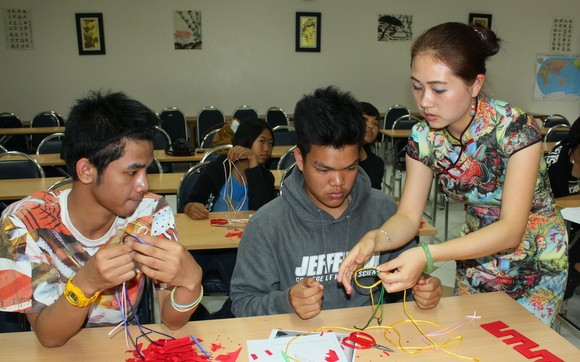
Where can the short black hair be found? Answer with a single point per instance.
(369, 110)
(248, 130)
(328, 117)
(98, 126)
(573, 138)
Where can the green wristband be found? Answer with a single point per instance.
(429, 267)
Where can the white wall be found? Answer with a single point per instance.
(248, 53)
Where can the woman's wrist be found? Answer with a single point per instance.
(387, 241)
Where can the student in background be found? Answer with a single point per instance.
(291, 248)
(488, 155)
(66, 255)
(239, 180)
(564, 170)
(373, 165)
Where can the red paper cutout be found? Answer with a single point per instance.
(331, 356)
(268, 352)
(254, 357)
(524, 344)
(234, 233)
(182, 349)
(215, 347)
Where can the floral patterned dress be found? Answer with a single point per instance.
(472, 171)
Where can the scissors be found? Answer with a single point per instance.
(362, 340)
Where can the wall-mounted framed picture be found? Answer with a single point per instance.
(90, 33)
(481, 19)
(308, 32)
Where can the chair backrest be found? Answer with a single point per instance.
(245, 112)
(555, 119)
(50, 144)
(155, 166)
(67, 181)
(187, 183)
(403, 122)
(44, 119)
(286, 173)
(207, 141)
(3, 149)
(14, 165)
(161, 140)
(392, 114)
(214, 153)
(284, 136)
(557, 133)
(275, 116)
(208, 118)
(287, 159)
(174, 123)
(13, 142)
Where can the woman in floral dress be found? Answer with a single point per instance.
(487, 154)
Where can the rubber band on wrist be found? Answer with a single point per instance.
(429, 267)
(389, 240)
(185, 308)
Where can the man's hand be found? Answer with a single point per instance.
(166, 261)
(427, 292)
(306, 298)
(109, 267)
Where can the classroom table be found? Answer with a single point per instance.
(7, 133)
(53, 159)
(568, 201)
(502, 326)
(164, 184)
(200, 235)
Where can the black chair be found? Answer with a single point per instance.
(44, 119)
(286, 173)
(162, 141)
(398, 147)
(287, 159)
(12, 142)
(244, 112)
(557, 133)
(275, 116)
(14, 165)
(208, 119)
(215, 263)
(207, 141)
(555, 119)
(215, 152)
(284, 136)
(155, 167)
(174, 123)
(2, 149)
(52, 144)
(382, 143)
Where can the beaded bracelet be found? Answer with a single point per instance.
(429, 267)
(185, 308)
(389, 240)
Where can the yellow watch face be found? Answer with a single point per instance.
(73, 297)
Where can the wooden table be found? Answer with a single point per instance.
(53, 159)
(93, 344)
(30, 130)
(568, 201)
(164, 184)
(200, 235)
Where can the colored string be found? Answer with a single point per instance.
(228, 197)
(450, 343)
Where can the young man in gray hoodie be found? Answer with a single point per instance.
(291, 249)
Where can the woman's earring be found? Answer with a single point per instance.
(472, 108)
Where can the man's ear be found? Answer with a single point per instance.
(299, 159)
(86, 172)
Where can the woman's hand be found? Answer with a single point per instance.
(356, 258)
(196, 211)
(238, 153)
(404, 271)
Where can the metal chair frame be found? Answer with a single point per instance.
(556, 134)
(555, 119)
(275, 116)
(284, 130)
(211, 154)
(57, 185)
(47, 139)
(207, 141)
(403, 122)
(27, 157)
(288, 155)
(181, 192)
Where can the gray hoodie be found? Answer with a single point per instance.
(290, 238)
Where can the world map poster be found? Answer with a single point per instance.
(557, 78)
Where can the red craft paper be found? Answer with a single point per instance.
(331, 356)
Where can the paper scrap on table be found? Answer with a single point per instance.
(349, 353)
(308, 348)
(571, 214)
